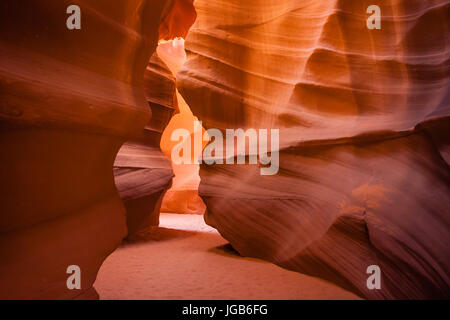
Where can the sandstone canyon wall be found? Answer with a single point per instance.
(364, 136)
(69, 99)
(142, 172)
(183, 195)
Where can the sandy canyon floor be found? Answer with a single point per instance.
(186, 259)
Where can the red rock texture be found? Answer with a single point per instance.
(364, 136)
(183, 201)
(69, 99)
(177, 18)
(363, 118)
(142, 172)
(183, 195)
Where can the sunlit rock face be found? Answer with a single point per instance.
(178, 17)
(142, 172)
(364, 136)
(69, 99)
(183, 195)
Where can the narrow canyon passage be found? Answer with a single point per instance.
(312, 137)
(184, 258)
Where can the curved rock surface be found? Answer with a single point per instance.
(183, 195)
(142, 172)
(69, 99)
(177, 18)
(363, 118)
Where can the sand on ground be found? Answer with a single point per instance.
(186, 259)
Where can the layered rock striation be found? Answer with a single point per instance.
(142, 172)
(183, 195)
(363, 119)
(69, 99)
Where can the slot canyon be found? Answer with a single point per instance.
(88, 178)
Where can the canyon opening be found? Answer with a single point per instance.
(224, 150)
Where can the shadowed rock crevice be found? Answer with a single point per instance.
(142, 171)
(69, 100)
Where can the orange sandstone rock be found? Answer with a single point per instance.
(183, 195)
(177, 19)
(69, 99)
(142, 172)
(363, 118)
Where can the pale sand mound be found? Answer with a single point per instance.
(186, 259)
